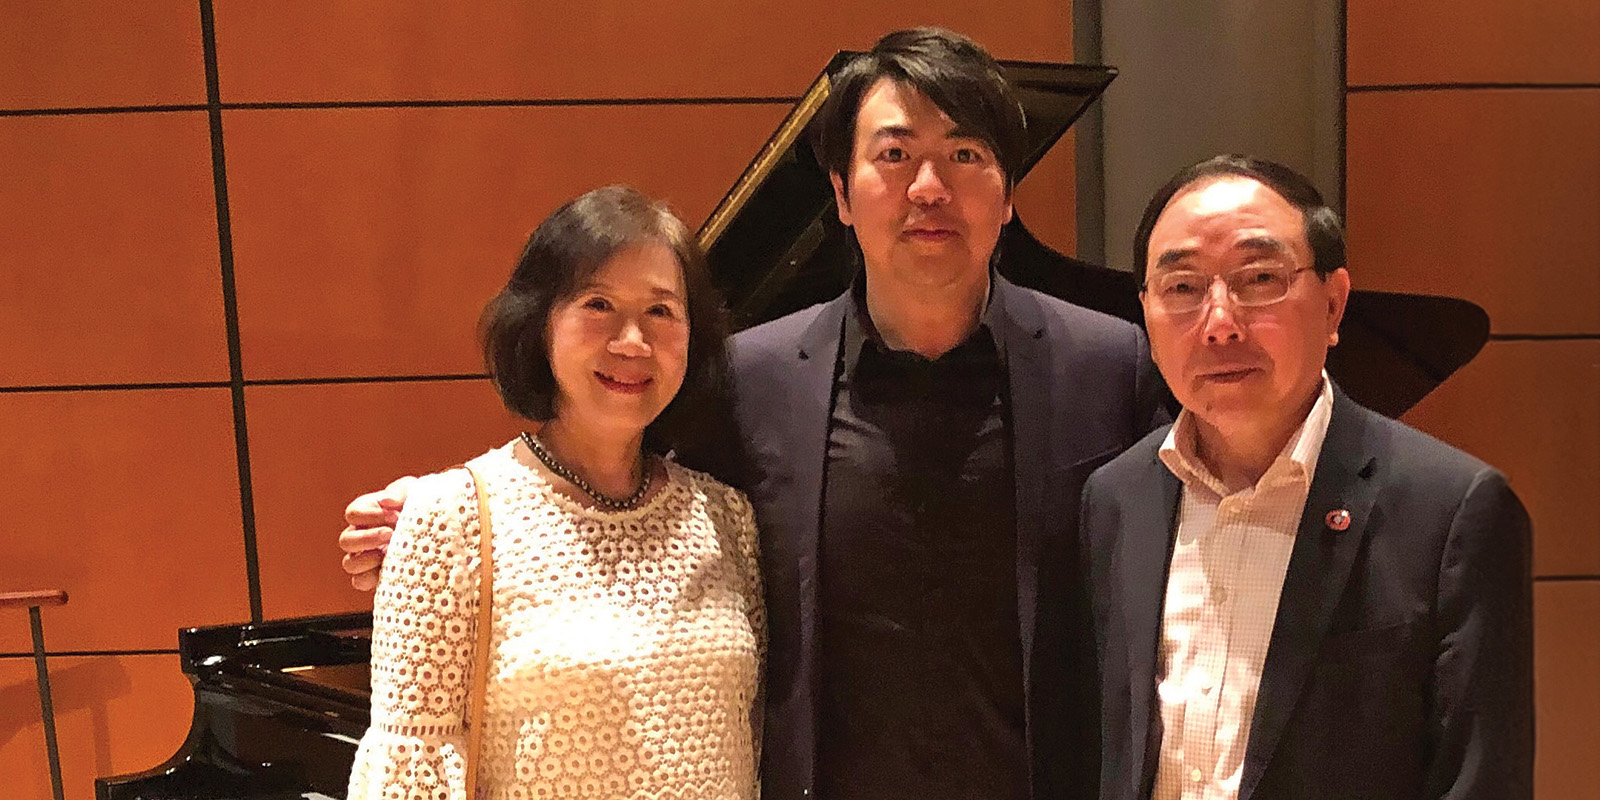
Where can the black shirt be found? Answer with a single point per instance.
(921, 653)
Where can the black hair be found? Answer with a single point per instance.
(954, 72)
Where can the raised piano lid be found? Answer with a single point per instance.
(775, 246)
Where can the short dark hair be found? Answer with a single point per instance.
(559, 257)
(954, 72)
(1324, 232)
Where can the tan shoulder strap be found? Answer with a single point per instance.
(484, 636)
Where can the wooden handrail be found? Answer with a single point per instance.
(42, 597)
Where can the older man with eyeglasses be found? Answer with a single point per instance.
(1294, 596)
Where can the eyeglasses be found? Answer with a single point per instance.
(1184, 291)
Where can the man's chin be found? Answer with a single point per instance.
(1217, 402)
(937, 266)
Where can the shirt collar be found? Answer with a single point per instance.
(859, 329)
(1297, 462)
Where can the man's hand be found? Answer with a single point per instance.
(370, 522)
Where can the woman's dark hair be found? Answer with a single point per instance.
(561, 254)
(1324, 233)
(954, 72)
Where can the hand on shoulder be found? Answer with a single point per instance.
(369, 524)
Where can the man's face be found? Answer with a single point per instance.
(1228, 364)
(926, 200)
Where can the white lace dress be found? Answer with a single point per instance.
(625, 657)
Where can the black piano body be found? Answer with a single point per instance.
(280, 706)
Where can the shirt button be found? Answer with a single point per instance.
(1219, 594)
(1196, 775)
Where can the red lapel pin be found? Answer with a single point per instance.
(1338, 520)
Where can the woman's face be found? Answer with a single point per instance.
(619, 345)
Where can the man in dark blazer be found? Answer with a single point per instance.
(1295, 597)
(914, 451)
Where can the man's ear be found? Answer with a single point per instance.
(1338, 289)
(840, 199)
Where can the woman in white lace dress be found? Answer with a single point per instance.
(628, 626)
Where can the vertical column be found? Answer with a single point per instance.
(1198, 79)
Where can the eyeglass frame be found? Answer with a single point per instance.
(1232, 295)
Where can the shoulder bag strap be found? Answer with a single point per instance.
(484, 637)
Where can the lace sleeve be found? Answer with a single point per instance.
(423, 624)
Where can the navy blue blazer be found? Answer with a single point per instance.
(1400, 664)
(1082, 390)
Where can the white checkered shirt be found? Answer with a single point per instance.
(1227, 572)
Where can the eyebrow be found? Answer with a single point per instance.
(893, 132)
(905, 132)
(659, 291)
(1167, 259)
(1264, 244)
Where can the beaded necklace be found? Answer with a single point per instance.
(603, 501)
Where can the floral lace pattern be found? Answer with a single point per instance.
(625, 650)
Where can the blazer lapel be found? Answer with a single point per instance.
(791, 489)
(816, 362)
(1319, 567)
(1144, 555)
(1020, 329)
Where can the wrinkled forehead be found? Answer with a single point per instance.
(1230, 210)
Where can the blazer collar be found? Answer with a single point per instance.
(1144, 556)
(859, 328)
(1319, 568)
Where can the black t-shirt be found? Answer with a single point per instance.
(920, 649)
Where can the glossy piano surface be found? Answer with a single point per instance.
(279, 709)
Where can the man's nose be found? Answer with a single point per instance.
(1220, 323)
(629, 341)
(928, 187)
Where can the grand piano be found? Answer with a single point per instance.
(280, 706)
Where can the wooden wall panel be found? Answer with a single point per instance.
(351, 50)
(129, 500)
(314, 448)
(95, 53)
(1478, 41)
(1489, 195)
(1532, 408)
(114, 715)
(367, 241)
(1567, 683)
(108, 223)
